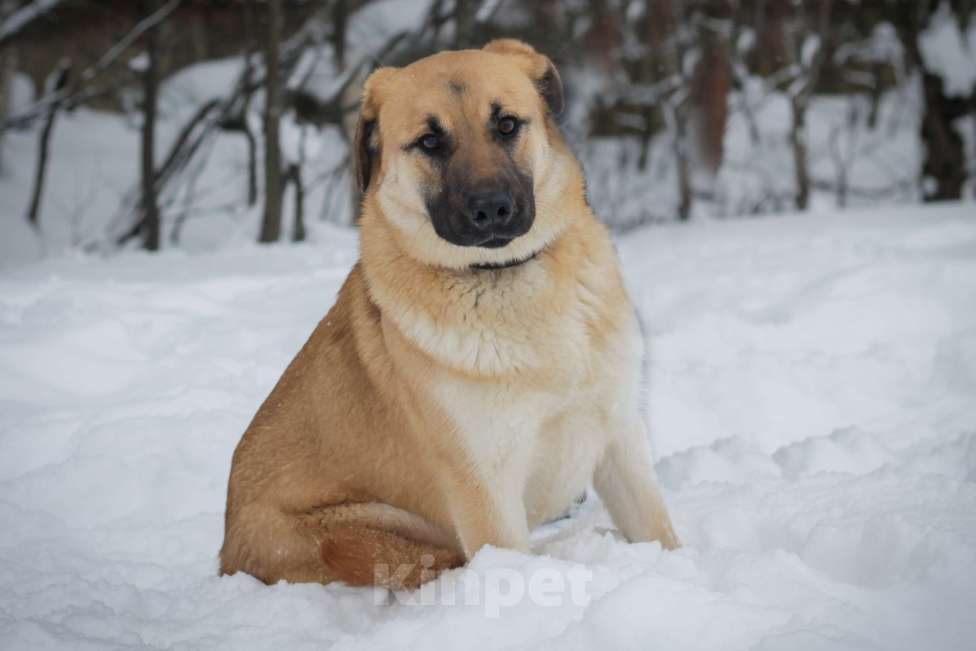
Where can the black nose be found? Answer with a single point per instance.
(489, 210)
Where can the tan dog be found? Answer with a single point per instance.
(481, 364)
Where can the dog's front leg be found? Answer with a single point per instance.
(626, 482)
(489, 513)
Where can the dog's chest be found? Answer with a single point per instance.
(529, 386)
(543, 440)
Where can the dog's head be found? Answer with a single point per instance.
(461, 154)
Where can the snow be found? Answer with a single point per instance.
(879, 164)
(487, 10)
(809, 50)
(139, 63)
(811, 386)
(948, 51)
(91, 170)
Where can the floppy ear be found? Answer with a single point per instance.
(366, 143)
(538, 67)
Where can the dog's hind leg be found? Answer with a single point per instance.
(378, 544)
(359, 544)
(271, 545)
(362, 556)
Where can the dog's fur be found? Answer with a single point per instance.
(451, 399)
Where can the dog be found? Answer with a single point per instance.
(481, 364)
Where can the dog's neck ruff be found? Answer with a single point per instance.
(492, 266)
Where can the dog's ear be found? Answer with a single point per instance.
(366, 143)
(537, 66)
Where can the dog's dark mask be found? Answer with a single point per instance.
(487, 203)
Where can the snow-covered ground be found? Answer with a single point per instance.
(812, 400)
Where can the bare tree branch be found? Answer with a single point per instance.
(13, 24)
(69, 96)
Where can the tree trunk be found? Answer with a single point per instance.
(943, 172)
(684, 173)
(711, 84)
(294, 177)
(340, 23)
(44, 146)
(875, 94)
(800, 101)
(43, 150)
(464, 24)
(661, 61)
(198, 28)
(772, 51)
(678, 123)
(252, 164)
(944, 166)
(150, 86)
(798, 142)
(271, 224)
(8, 65)
(252, 147)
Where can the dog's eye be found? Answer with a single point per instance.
(430, 142)
(507, 126)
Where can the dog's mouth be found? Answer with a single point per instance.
(491, 266)
(496, 241)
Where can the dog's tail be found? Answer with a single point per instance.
(377, 544)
